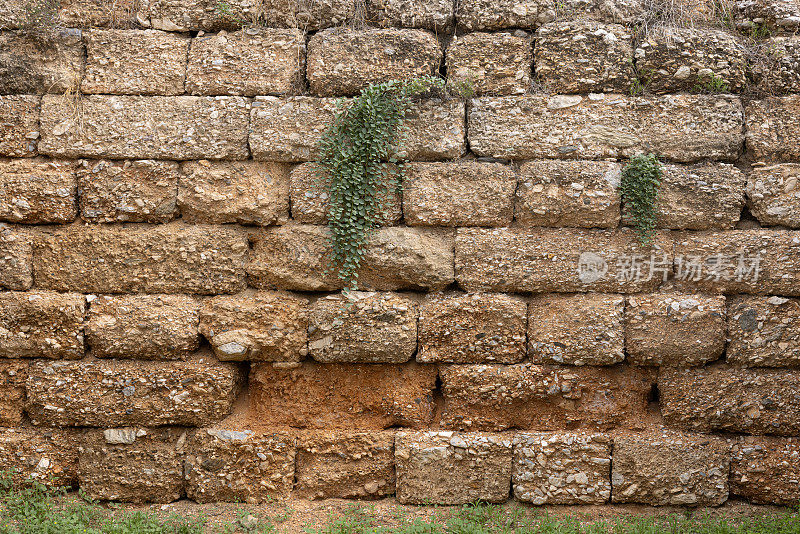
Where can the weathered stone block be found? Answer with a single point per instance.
(13, 374)
(41, 324)
(127, 191)
(435, 130)
(40, 61)
(472, 328)
(568, 193)
(559, 260)
(475, 15)
(731, 399)
(777, 16)
(674, 329)
(172, 258)
(150, 327)
(114, 393)
(436, 15)
(104, 13)
(490, 63)
(37, 191)
(363, 327)
(764, 331)
(538, 397)
(345, 465)
(244, 192)
(350, 396)
(239, 466)
(49, 456)
(677, 127)
(562, 468)
(773, 194)
(141, 127)
(258, 326)
(769, 123)
(778, 71)
(255, 61)
(766, 470)
(132, 464)
(458, 194)
(452, 468)
(584, 57)
(16, 258)
(342, 62)
(670, 468)
(739, 261)
(19, 125)
(294, 257)
(576, 329)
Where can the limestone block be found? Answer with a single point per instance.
(477, 15)
(766, 470)
(764, 331)
(41, 324)
(16, 257)
(490, 63)
(39, 62)
(37, 191)
(769, 123)
(777, 16)
(19, 125)
(13, 374)
(773, 194)
(435, 15)
(778, 71)
(49, 456)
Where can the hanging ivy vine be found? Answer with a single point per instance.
(359, 168)
(641, 178)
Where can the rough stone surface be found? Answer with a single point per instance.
(37, 191)
(472, 328)
(583, 329)
(239, 466)
(559, 260)
(475, 15)
(132, 464)
(349, 396)
(670, 468)
(103, 13)
(491, 63)
(345, 465)
(778, 16)
(363, 327)
(134, 62)
(766, 470)
(770, 123)
(452, 468)
(40, 61)
(293, 257)
(342, 62)
(773, 194)
(726, 262)
(254, 61)
(779, 72)
(562, 468)
(258, 326)
(114, 393)
(568, 193)
(584, 57)
(173, 258)
(674, 329)
(13, 374)
(19, 125)
(49, 457)
(150, 327)
(678, 127)
(458, 194)
(537, 397)
(244, 192)
(141, 127)
(41, 324)
(16, 258)
(127, 191)
(764, 331)
(436, 15)
(731, 399)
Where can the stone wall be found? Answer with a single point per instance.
(168, 327)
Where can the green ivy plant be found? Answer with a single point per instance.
(641, 178)
(359, 167)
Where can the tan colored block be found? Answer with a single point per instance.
(19, 125)
(16, 258)
(778, 16)
(348, 396)
(491, 63)
(256, 326)
(778, 72)
(105, 13)
(769, 124)
(49, 456)
(582, 329)
(244, 192)
(773, 194)
(435, 15)
(458, 194)
(37, 191)
(254, 61)
(763, 331)
(39, 62)
(345, 465)
(452, 468)
(41, 324)
(568, 193)
(13, 374)
(766, 470)
(475, 15)
(472, 328)
(142, 127)
(149, 327)
(171, 258)
(674, 329)
(127, 191)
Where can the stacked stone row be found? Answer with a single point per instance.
(167, 322)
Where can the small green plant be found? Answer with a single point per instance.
(641, 80)
(639, 185)
(712, 85)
